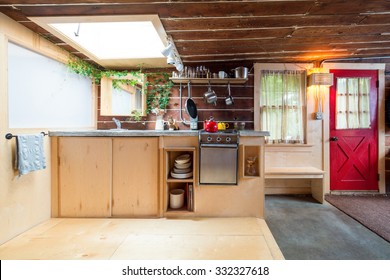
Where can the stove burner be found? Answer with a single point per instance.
(229, 136)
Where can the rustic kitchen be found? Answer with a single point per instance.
(233, 104)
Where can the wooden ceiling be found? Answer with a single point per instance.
(241, 32)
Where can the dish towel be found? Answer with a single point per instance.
(29, 153)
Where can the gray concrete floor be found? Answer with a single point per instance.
(307, 230)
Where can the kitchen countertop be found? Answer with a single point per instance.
(144, 133)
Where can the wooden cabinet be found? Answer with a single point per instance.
(84, 177)
(135, 177)
(104, 177)
(131, 177)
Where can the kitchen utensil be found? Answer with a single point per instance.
(222, 74)
(159, 123)
(250, 166)
(229, 99)
(181, 171)
(241, 72)
(191, 109)
(222, 126)
(181, 176)
(210, 125)
(183, 165)
(210, 96)
(184, 158)
(176, 198)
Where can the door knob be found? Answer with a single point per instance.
(334, 138)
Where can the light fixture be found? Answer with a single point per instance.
(321, 79)
(165, 52)
(179, 66)
(171, 58)
(318, 80)
(172, 55)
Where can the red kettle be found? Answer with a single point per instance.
(210, 125)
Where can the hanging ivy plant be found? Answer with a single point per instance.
(158, 91)
(157, 86)
(84, 69)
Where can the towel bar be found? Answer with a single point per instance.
(10, 136)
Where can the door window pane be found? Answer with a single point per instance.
(353, 103)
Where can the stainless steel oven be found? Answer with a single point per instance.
(218, 159)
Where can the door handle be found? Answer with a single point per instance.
(334, 138)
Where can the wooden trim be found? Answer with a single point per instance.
(54, 177)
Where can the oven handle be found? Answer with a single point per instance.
(219, 145)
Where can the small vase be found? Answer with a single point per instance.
(159, 123)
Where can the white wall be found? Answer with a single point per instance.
(24, 201)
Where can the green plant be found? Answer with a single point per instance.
(136, 115)
(157, 86)
(87, 69)
(84, 69)
(158, 90)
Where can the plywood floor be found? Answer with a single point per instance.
(159, 239)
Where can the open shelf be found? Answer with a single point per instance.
(251, 151)
(187, 184)
(207, 80)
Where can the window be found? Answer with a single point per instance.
(43, 93)
(353, 103)
(114, 41)
(282, 105)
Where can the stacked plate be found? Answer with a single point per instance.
(182, 168)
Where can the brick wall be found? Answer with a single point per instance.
(242, 110)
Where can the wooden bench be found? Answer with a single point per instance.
(299, 173)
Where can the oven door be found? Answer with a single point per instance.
(218, 164)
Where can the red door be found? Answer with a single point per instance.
(353, 135)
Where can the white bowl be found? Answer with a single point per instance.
(183, 165)
(181, 176)
(181, 171)
(183, 159)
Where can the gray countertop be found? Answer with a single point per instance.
(145, 133)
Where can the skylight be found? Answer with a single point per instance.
(112, 41)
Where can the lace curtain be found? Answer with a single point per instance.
(282, 103)
(353, 103)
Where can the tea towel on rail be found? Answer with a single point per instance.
(29, 153)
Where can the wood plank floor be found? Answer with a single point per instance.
(145, 239)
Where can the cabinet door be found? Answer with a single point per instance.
(135, 177)
(85, 176)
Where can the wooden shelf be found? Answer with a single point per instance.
(206, 80)
(175, 180)
(174, 183)
(251, 151)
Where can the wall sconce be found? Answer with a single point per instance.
(318, 80)
(321, 79)
(173, 57)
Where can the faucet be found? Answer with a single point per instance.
(117, 122)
